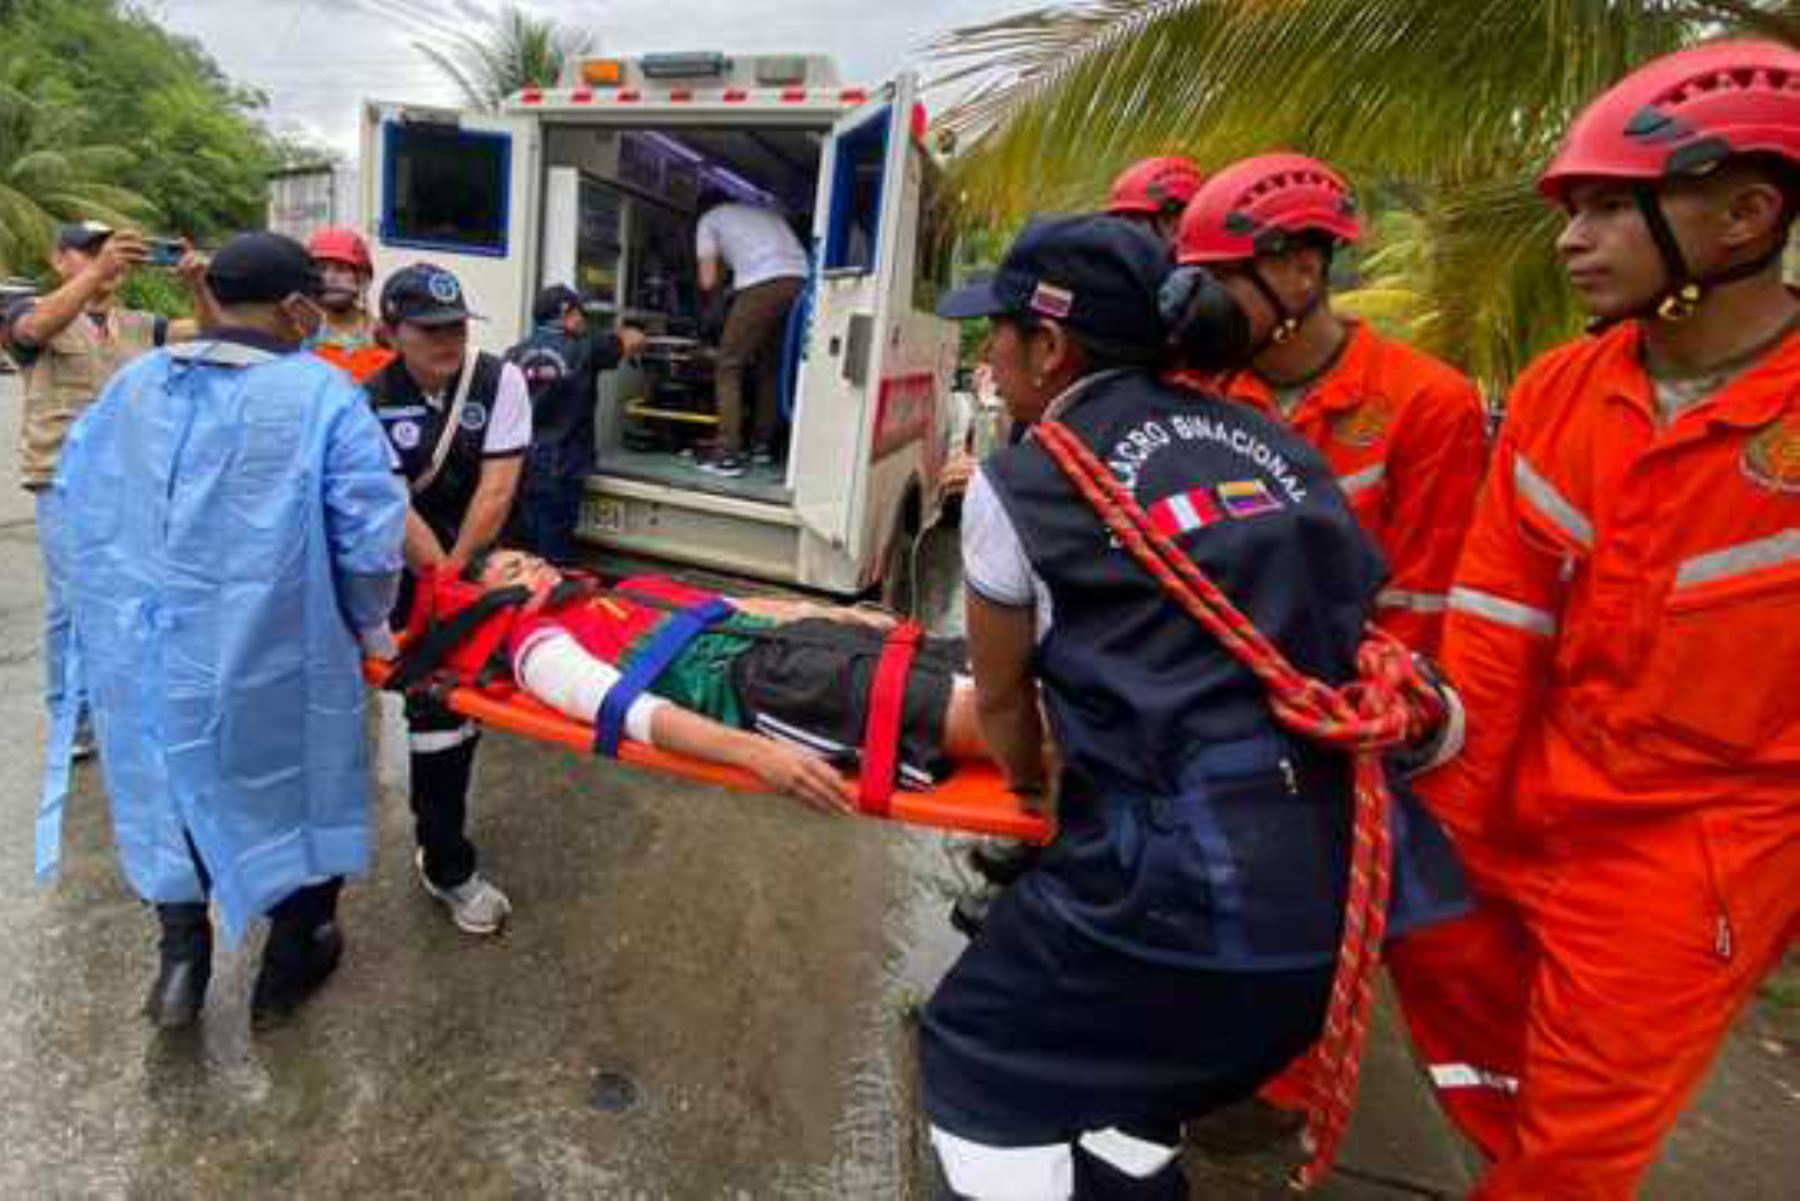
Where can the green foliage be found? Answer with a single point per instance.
(135, 110)
(517, 51)
(49, 174)
(157, 290)
(1441, 111)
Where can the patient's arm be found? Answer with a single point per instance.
(553, 667)
(799, 610)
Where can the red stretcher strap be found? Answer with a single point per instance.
(887, 709)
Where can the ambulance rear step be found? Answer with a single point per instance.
(721, 533)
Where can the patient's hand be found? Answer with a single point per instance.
(802, 776)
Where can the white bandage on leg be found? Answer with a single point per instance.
(984, 1173)
(554, 668)
(1138, 1158)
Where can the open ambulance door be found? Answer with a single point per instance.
(459, 190)
(862, 210)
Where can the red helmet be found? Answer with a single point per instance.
(340, 245)
(1683, 113)
(1252, 207)
(1155, 185)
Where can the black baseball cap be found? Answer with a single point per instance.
(82, 235)
(553, 301)
(424, 294)
(261, 268)
(1096, 274)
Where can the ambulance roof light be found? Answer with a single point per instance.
(698, 64)
(602, 72)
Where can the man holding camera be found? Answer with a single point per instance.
(68, 344)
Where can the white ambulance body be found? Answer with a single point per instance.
(594, 184)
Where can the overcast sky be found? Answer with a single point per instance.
(319, 59)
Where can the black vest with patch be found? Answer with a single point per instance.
(414, 425)
(1195, 829)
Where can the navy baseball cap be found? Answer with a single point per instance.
(82, 235)
(261, 268)
(424, 294)
(553, 301)
(1095, 274)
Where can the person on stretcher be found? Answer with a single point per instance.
(779, 687)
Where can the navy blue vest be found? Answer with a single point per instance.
(1195, 830)
(563, 375)
(413, 426)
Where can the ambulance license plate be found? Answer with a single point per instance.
(605, 515)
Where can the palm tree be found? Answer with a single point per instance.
(519, 51)
(1442, 109)
(50, 173)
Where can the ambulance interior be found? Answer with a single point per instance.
(619, 225)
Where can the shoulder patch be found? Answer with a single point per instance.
(1366, 424)
(1772, 458)
(474, 416)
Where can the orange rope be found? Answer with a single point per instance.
(1389, 704)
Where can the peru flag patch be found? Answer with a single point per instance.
(1184, 511)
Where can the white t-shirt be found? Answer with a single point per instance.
(754, 242)
(995, 565)
(509, 425)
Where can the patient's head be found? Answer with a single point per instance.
(500, 568)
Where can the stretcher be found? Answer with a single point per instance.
(973, 800)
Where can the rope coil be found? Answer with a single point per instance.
(1389, 704)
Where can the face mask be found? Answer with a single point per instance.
(1208, 328)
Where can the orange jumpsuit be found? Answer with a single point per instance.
(362, 362)
(1406, 436)
(1625, 632)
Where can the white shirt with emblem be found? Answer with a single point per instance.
(508, 426)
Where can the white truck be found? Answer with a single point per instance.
(594, 183)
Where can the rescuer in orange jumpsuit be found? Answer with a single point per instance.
(1404, 433)
(348, 338)
(1625, 632)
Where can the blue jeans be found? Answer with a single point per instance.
(555, 477)
(58, 619)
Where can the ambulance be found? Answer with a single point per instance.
(593, 184)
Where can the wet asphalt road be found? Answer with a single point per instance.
(701, 996)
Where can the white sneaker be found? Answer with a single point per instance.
(475, 905)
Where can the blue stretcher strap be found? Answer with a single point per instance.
(665, 647)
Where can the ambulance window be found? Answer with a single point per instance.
(446, 188)
(854, 234)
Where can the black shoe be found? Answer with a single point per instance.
(1002, 863)
(968, 916)
(292, 970)
(185, 947)
(179, 992)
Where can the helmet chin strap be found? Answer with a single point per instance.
(1287, 321)
(1682, 298)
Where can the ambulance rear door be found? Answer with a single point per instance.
(461, 190)
(855, 309)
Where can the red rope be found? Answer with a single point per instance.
(1388, 704)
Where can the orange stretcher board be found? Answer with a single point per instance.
(974, 800)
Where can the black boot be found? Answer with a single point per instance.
(303, 950)
(289, 976)
(179, 991)
(1001, 862)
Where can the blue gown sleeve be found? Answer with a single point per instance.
(365, 515)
